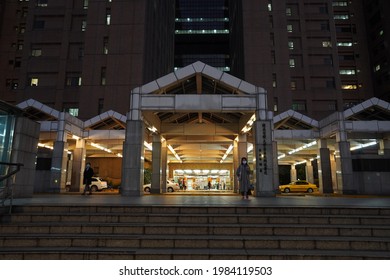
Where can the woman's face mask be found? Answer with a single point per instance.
(244, 162)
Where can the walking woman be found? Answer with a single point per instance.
(243, 173)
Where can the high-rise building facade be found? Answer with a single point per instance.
(202, 33)
(378, 30)
(85, 56)
(311, 56)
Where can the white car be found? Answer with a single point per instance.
(98, 184)
(171, 186)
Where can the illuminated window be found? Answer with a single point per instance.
(103, 76)
(344, 44)
(291, 62)
(289, 28)
(377, 68)
(327, 44)
(42, 3)
(85, 4)
(275, 104)
(105, 45)
(274, 82)
(293, 85)
(340, 4)
(341, 17)
(288, 12)
(83, 25)
(347, 72)
(108, 16)
(73, 111)
(291, 45)
(299, 105)
(36, 52)
(349, 86)
(34, 82)
(73, 81)
(269, 7)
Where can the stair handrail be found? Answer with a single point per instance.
(6, 191)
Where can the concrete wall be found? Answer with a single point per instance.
(42, 181)
(372, 183)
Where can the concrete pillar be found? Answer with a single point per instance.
(236, 163)
(164, 166)
(324, 167)
(344, 172)
(59, 158)
(156, 165)
(333, 173)
(133, 159)
(24, 150)
(78, 166)
(58, 167)
(384, 147)
(264, 151)
(276, 165)
(242, 147)
(293, 173)
(309, 171)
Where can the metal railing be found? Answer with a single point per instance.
(6, 190)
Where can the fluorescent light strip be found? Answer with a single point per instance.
(148, 146)
(227, 153)
(361, 146)
(249, 124)
(302, 147)
(174, 153)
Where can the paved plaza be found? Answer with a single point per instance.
(207, 200)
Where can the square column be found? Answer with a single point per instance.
(58, 169)
(309, 171)
(242, 147)
(264, 152)
(24, 150)
(276, 165)
(293, 173)
(78, 166)
(156, 165)
(236, 163)
(344, 173)
(133, 159)
(324, 167)
(164, 165)
(59, 161)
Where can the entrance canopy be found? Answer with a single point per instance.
(198, 110)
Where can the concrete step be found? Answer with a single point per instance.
(379, 244)
(148, 232)
(194, 229)
(201, 218)
(201, 210)
(82, 253)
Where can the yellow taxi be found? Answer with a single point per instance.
(298, 186)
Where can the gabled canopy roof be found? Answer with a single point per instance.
(107, 120)
(37, 111)
(294, 120)
(199, 78)
(369, 110)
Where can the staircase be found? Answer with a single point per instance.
(154, 232)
